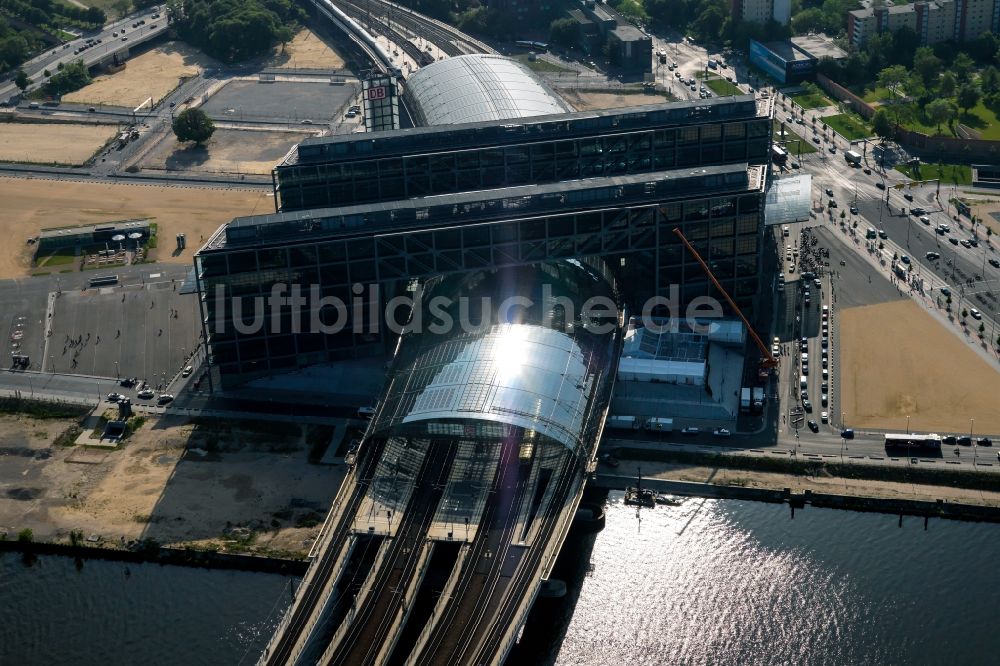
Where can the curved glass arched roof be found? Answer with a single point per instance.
(477, 88)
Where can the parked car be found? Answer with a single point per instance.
(690, 430)
(806, 405)
(721, 432)
(984, 441)
(145, 394)
(187, 371)
(965, 440)
(975, 314)
(164, 399)
(847, 433)
(948, 439)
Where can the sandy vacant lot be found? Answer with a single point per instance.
(898, 361)
(307, 51)
(173, 481)
(48, 143)
(587, 101)
(153, 73)
(33, 204)
(229, 151)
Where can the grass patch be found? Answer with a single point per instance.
(983, 119)
(59, 258)
(848, 125)
(878, 94)
(793, 141)
(810, 100)
(540, 65)
(723, 88)
(958, 174)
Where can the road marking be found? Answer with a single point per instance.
(153, 276)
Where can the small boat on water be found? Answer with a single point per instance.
(667, 500)
(635, 496)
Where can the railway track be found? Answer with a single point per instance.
(281, 652)
(382, 27)
(361, 645)
(386, 16)
(445, 638)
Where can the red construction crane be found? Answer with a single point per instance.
(768, 360)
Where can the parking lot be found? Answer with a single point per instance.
(145, 331)
(280, 101)
(834, 276)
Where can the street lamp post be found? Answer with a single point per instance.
(907, 425)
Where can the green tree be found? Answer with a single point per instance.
(563, 32)
(25, 535)
(962, 66)
(709, 23)
(939, 112)
(927, 65)
(121, 7)
(891, 78)
(968, 97)
(947, 85)
(193, 125)
(96, 16)
(989, 81)
(284, 35)
(882, 124)
(21, 80)
(72, 77)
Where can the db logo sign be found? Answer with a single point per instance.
(376, 93)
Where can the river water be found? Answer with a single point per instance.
(704, 582)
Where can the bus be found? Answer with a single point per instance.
(853, 157)
(104, 281)
(913, 442)
(778, 154)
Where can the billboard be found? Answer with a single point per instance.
(381, 103)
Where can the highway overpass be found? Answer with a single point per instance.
(117, 38)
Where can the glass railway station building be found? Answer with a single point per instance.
(484, 185)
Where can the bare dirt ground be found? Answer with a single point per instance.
(69, 143)
(307, 51)
(153, 73)
(31, 205)
(898, 361)
(588, 101)
(246, 487)
(228, 151)
(818, 484)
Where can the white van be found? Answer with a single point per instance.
(803, 382)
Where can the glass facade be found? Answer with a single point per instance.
(339, 174)
(509, 370)
(609, 186)
(635, 240)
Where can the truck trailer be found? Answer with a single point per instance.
(623, 423)
(660, 424)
